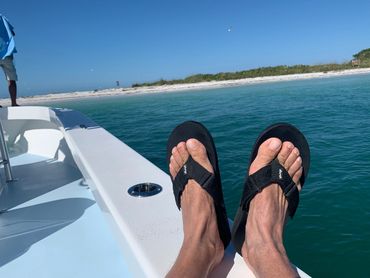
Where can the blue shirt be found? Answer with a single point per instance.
(7, 43)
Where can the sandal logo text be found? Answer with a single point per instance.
(280, 174)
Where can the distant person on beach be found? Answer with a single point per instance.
(7, 49)
(278, 168)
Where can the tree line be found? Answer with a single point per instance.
(362, 59)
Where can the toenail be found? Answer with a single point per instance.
(274, 145)
(191, 143)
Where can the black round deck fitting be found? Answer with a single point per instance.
(145, 189)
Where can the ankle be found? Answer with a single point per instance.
(201, 253)
(205, 246)
(269, 258)
(261, 249)
(203, 243)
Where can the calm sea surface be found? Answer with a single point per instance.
(330, 234)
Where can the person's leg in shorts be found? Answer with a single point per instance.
(11, 75)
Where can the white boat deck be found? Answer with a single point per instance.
(60, 218)
(53, 227)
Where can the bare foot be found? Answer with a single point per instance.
(202, 248)
(263, 249)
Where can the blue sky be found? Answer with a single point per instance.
(86, 44)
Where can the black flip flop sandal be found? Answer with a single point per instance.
(272, 173)
(192, 170)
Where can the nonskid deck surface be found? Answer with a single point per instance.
(52, 226)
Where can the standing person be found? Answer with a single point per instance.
(7, 49)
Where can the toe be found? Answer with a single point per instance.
(289, 157)
(297, 177)
(174, 167)
(199, 153)
(266, 153)
(183, 152)
(286, 149)
(177, 157)
(294, 154)
(297, 164)
(173, 172)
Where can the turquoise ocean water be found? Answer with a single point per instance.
(330, 234)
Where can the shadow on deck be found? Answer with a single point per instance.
(21, 228)
(36, 179)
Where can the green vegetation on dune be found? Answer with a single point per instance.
(361, 59)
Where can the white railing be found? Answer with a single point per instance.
(5, 156)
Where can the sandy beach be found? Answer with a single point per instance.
(45, 98)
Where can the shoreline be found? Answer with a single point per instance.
(31, 100)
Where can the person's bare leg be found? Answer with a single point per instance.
(202, 248)
(13, 92)
(263, 249)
